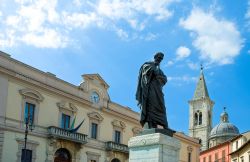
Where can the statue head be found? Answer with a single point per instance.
(158, 57)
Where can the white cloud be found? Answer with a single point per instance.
(193, 66)
(10, 42)
(127, 9)
(182, 79)
(13, 21)
(122, 34)
(170, 63)
(182, 52)
(34, 19)
(150, 37)
(77, 2)
(48, 39)
(218, 41)
(79, 20)
(31, 25)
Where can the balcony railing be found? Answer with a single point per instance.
(64, 134)
(113, 146)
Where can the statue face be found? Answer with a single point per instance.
(158, 59)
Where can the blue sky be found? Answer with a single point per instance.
(114, 37)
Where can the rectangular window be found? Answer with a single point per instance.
(117, 136)
(94, 130)
(65, 121)
(92, 160)
(29, 112)
(216, 157)
(242, 159)
(204, 159)
(26, 155)
(209, 158)
(223, 156)
(189, 156)
(236, 144)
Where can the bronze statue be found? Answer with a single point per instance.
(149, 93)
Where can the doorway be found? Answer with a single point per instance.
(62, 155)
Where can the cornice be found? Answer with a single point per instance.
(123, 116)
(119, 124)
(54, 90)
(187, 139)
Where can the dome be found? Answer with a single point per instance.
(224, 128)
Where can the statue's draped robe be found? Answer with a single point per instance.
(150, 96)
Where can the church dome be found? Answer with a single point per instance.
(224, 128)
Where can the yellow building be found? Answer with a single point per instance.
(190, 148)
(55, 107)
(240, 148)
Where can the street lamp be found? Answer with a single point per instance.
(28, 126)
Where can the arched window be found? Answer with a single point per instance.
(200, 141)
(200, 118)
(195, 119)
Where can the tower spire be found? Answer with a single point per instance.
(201, 87)
(201, 110)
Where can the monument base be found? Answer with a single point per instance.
(154, 147)
(168, 132)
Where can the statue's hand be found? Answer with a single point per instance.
(162, 80)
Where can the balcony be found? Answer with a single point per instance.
(112, 146)
(60, 133)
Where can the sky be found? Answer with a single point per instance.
(115, 37)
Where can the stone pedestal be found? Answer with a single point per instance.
(154, 147)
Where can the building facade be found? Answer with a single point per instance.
(190, 148)
(57, 109)
(236, 149)
(218, 153)
(200, 113)
(54, 107)
(241, 148)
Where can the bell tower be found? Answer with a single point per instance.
(200, 112)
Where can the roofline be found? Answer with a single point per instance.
(215, 147)
(236, 137)
(245, 144)
(106, 84)
(187, 138)
(8, 57)
(245, 132)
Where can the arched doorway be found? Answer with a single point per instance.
(62, 155)
(115, 160)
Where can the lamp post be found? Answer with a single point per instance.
(28, 126)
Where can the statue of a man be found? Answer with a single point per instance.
(149, 93)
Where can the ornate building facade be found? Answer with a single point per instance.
(240, 145)
(56, 109)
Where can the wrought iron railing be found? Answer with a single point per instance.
(64, 134)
